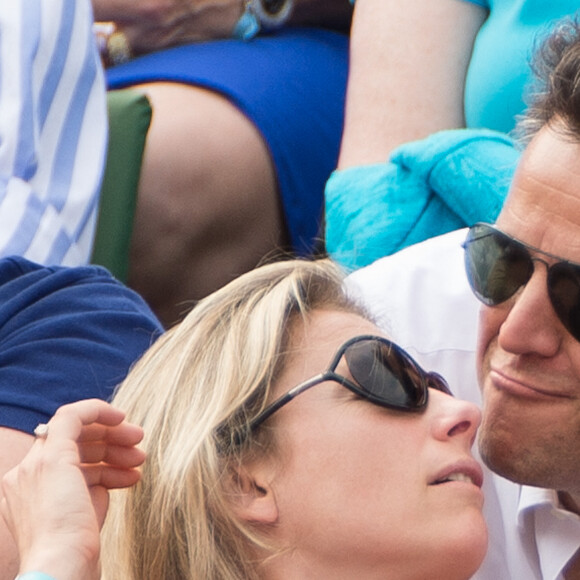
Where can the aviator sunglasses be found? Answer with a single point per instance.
(382, 373)
(498, 266)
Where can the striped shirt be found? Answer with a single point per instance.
(53, 130)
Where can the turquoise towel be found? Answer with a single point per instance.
(447, 181)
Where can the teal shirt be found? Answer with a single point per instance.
(499, 77)
(451, 179)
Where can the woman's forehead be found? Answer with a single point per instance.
(315, 340)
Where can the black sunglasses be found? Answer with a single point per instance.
(382, 372)
(498, 266)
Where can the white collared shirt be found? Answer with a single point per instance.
(53, 130)
(420, 297)
(556, 530)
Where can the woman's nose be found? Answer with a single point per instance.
(454, 417)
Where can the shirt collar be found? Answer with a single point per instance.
(556, 530)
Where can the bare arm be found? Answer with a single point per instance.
(408, 66)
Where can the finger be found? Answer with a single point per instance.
(118, 11)
(67, 425)
(110, 477)
(100, 500)
(123, 434)
(69, 420)
(115, 455)
(91, 419)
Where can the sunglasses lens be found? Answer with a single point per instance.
(496, 265)
(386, 374)
(564, 290)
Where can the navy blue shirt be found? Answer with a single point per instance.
(65, 334)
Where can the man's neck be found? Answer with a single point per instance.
(569, 502)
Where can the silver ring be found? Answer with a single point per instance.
(41, 431)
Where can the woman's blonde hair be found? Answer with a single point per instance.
(194, 393)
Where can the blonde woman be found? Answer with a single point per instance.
(286, 437)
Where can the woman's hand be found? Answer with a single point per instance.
(151, 25)
(56, 499)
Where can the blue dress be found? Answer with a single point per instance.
(291, 85)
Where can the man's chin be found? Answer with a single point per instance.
(513, 462)
(502, 458)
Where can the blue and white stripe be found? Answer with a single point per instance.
(53, 130)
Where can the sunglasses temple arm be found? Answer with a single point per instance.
(271, 409)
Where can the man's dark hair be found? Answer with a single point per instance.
(556, 65)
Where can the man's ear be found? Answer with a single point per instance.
(252, 495)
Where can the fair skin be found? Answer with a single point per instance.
(15, 445)
(529, 364)
(340, 496)
(89, 450)
(408, 63)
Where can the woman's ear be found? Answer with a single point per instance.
(252, 495)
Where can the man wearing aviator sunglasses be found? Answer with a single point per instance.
(498, 266)
(525, 273)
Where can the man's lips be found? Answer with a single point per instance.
(522, 388)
